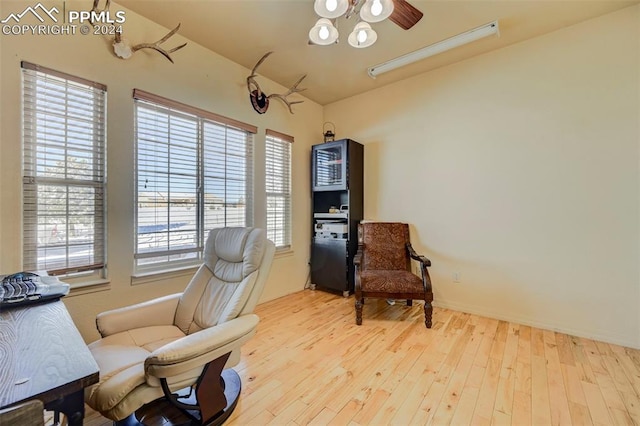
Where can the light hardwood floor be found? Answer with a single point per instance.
(310, 364)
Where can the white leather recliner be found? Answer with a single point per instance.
(156, 348)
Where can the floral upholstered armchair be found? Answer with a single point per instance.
(383, 267)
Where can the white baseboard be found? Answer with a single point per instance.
(478, 310)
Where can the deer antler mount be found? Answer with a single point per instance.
(123, 48)
(260, 100)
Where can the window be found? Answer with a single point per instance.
(194, 173)
(278, 187)
(64, 172)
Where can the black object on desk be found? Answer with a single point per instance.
(25, 288)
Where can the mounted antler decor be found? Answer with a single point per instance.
(260, 100)
(123, 48)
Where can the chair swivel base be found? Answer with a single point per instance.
(162, 412)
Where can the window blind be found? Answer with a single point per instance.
(193, 174)
(278, 188)
(64, 156)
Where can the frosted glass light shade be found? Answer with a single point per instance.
(362, 35)
(331, 8)
(323, 32)
(376, 10)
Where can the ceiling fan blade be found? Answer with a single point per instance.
(404, 15)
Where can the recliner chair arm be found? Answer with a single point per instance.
(197, 349)
(160, 311)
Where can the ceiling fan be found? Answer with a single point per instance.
(324, 32)
(404, 15)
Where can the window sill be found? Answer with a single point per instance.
(89, 286)
(288, 252)
(153, 276)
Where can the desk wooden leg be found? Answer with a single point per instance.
(72, 406)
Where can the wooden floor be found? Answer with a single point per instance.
(310, 364)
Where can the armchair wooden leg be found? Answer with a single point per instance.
(428, 312)
(409, 302)
(359, 303)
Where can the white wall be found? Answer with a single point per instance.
(638, 126)
(520, 170)
(199, 78)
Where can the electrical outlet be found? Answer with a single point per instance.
(456, 276)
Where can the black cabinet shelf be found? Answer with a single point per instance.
(337, 184)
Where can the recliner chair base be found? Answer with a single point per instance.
(210, 395)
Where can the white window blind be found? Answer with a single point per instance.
(64, 180)
(278, 188)
(194, 173)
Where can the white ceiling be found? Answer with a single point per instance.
(243, 30)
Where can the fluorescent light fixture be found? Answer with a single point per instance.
(433, 49)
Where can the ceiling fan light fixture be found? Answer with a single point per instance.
(376, 10)
(362, 36)
(323, 32)
(331, 8)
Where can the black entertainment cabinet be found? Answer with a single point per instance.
(337, 185)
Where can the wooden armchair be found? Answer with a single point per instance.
(383, 267)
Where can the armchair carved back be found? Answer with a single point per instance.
(384, 245)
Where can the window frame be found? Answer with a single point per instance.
(206, 122)
(41, 139)
(279, 146)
